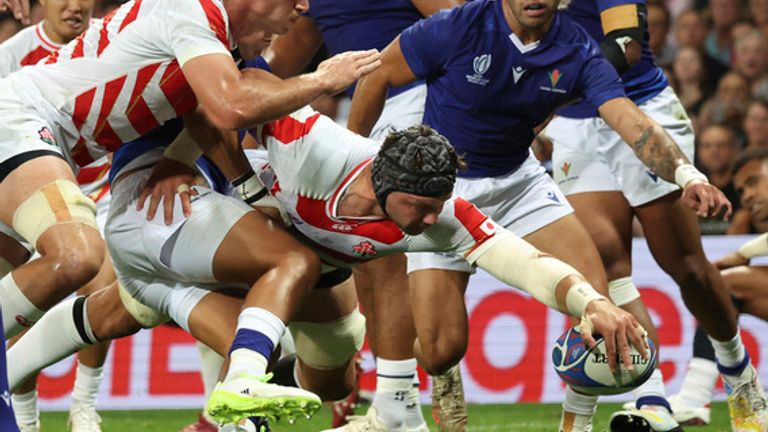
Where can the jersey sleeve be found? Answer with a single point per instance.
(196, 28)
(428, 44)
(7, 62)
(462, 229)
(598, 81)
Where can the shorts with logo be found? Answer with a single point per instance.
(169, 267)
(590, 157)
(522, 201)
(400, 112)
(24, 127)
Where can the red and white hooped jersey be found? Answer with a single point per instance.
(122, 77)
(309, 164)
(25, 48)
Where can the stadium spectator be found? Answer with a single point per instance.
(690, 81)
(659, 23)
(691, 30)
(758, 11)
(716, 149)
(724, 14)
(750, 55)
(756, 124)
(728, 105)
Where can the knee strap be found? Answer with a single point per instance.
(58, 202)
(329, 345)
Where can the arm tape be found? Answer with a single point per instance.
(622, 24)
(758, 246)
(183, 149)
(516, 262)
(250, 188)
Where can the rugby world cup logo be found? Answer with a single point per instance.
(480, 65)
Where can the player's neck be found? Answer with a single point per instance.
(52, 35)
(359, 200)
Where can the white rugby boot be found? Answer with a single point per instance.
(688, 414)
(29, 427)
(648, 418)
(747, 403)
(367, 423)
(84, 419)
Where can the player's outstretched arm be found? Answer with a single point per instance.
(371, 90)
(756, 247)
(659, 152)
(236, 101)
(289, 54)
(558, 285)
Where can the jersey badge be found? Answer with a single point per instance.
(481, 64)
(45, 135)
(553, 197)
(554, 78)
(7, 398)
(652, 175)
(517, 73)
(364, 249)
(565, 168)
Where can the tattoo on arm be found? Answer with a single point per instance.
(656, 149)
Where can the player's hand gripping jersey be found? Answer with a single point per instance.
(310, 163)
(120, 79)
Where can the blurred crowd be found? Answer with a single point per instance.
(715, 54)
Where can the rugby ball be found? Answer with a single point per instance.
(586, 370)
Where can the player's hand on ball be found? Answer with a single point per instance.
(706, 200)
(733, 259)
(618, 328)
(343, 70)
(168, 178)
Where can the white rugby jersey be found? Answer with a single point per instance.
(309, 164)
(25, 48)
(122, 77)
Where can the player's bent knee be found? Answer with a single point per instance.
(329, 345)
(443, 353)
(144, 315)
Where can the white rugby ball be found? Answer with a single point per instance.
(586, 370)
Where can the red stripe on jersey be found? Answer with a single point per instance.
(35, 56)
(53, 58)
(40, 32)
(176, 90)
(92, 173)
(313, 212)
(107, 137)
(131, 15)
(80, 153)
(83, 105)
(99, 194)
(79, 49)
(215, 21)
(104, 134)
(141, 117)
(288, 129)
(104, 34)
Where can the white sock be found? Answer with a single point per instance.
(25, 408)
(17, 308)
(414, 418)
(255, 328)
(652, 391)
(578, 403)
(53, 338)
(729, 353)
(394, 380)
(87, 382)
(699, 382)
(210, 365)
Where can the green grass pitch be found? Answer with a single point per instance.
(517, 418)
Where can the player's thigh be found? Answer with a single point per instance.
(380, 282)
(749, 285)
(607, 218)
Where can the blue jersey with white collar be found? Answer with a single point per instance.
(351, 25)
(487, 91)
(642, 81)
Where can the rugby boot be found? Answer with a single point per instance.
(687, 414)
(746, 401)
(449, 409)
(648, 418)
(29, 427)
(367, 423)
(84, 419)
(202, 425)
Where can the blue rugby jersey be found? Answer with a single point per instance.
(350, 25)
(642, 81)
(487, 92)
(7, 419)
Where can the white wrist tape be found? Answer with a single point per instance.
(516, 262)
(579, 296)
(250, 188)
(758, 246)
(687, 173)
(183, 149)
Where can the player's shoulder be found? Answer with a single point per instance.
(570, 35)
(25, 38)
